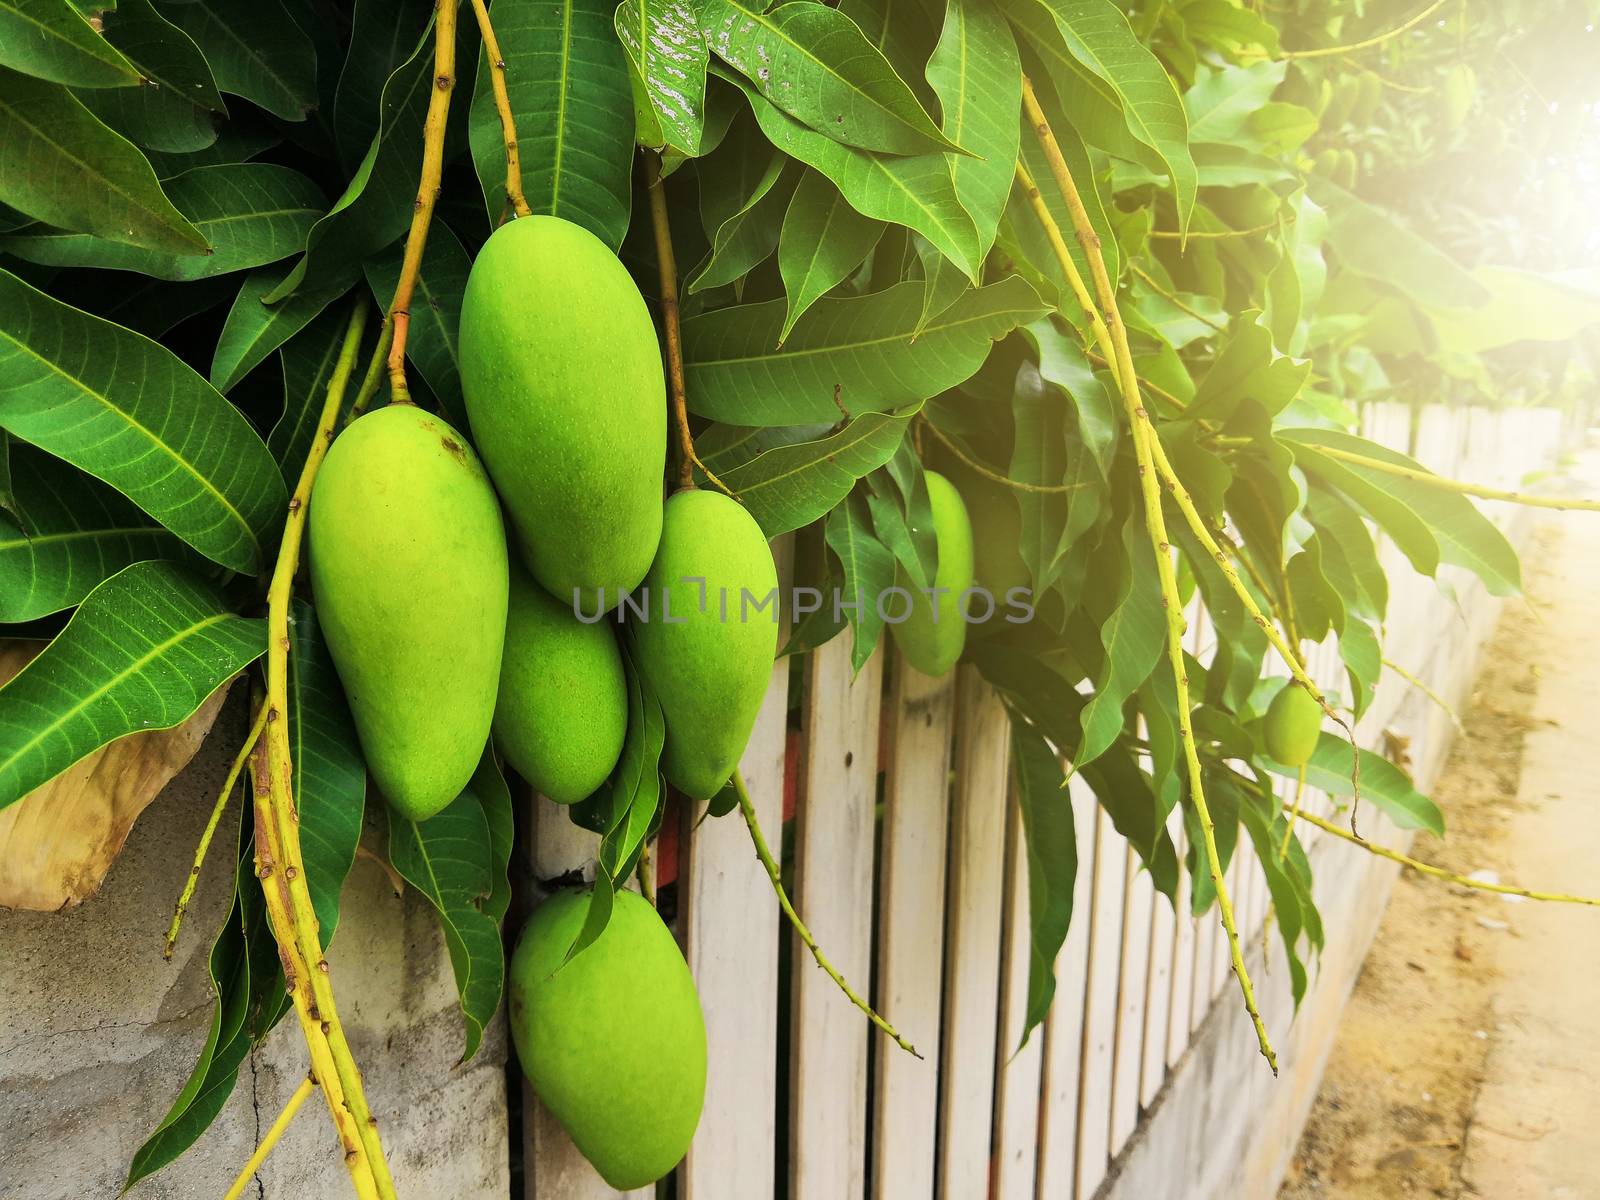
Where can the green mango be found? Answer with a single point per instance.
(614, 1041)
(561, 373)
(563, 707)
(1293, 725)
(704, 647)
(408, 566)
(934, 634)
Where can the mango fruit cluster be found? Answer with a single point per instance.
(449, 577)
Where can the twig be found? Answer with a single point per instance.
(1429, 479)
(1426, 691)
(433, 131)
(1368, 43)
(1294, 812)
(502, 104)
(995, 476)
(301, 1094)
(374, 373)
(1058, 244)
(299, 924)
(667, 265)
(748, 808)
(1173, 299)
(1176, 235)
(1143, 434)
(1501, 889)
(210, 830)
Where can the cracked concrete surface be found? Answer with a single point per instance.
(98, 1033)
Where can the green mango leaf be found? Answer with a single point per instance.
(1289, 898)
(250, 213)
(904, 34)
(377, 203)
(1221, 103)
(1362, 655)
(7, 495)
(815, 64)
(1349, 557)
(255, 50)
(383, 35)
(71, 533)
(1039, 457)
(60, 164)
(792, 486)
(1112, 59)
(236, 141)
(1459, 532)
(567, 75)
(917, 191)
(130, 412)
(1382, 783)
(1133, 632)
(308, 360)
(854, 354)
(330, 776)
(176, 109)
(49, 39)
(978, 78)
(667, 53)
(942, 282)
(253, 330)
(451, 858)
(821, 242)
(869, 570)
(431, 346)
(143, 651)
(1051, 840)
(750, 232)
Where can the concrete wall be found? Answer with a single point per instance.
(98, 1033)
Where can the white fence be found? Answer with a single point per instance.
(1144, 1081)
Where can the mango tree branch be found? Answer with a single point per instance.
(1142, 434)
(748, 809)
(433, 131)
(1502, 889)
(1368, 43)
(1294, 811)
(1173, 299)
(1058, 244)
(1426, 691)
(273, 1134)
(667, 264)
(283, 817)
(994, 476)
(211, 829)
(374, 373)
(502, 105)
(1429, 479)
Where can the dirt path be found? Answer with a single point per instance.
(1468, 1060)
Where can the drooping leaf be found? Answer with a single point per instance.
(61, 164)
(1039, 458)
(566, 73)
(868, 572)
(330, 776)
(176, 109)
(255, 50)
(450, 858)
(1383, 785)
(143, 651)
(249, 213)
(1132, 634)
(1051, 841)
(750, 232)
(49, 39)
(917, 191)
(1288, 899)
(383, 35)
(978, 78)
(435, 313)
(71, 533)
(792, 486)
(308, 360)
(667, 53)
(253, 330)
(822, 241)
(815, 64)
(130, 412)
(854, 354)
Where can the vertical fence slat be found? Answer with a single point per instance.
(1063, 1031)
(972, 938)
(1100, 1004)
(1132, 997)
(833, 891)
(555, 1170)
(1017, 1093)
(911, 931)
(732, 924)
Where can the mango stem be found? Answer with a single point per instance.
(774, 873)
(273, 1134)
(502, 105)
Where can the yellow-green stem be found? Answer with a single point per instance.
(502, 105)
(748, 809)
(1294, 812)
(210, 831)
(1367, 43)
(1429, 479)
(994, 476)
(273, 1134)
(1426, 691)
(1142, 434)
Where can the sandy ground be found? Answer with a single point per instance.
(1468, 1061)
